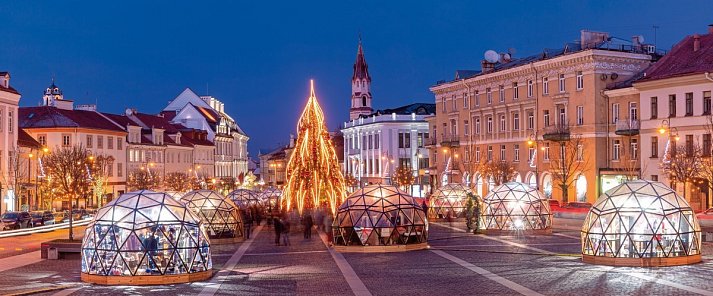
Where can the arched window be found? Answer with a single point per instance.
(363, 101)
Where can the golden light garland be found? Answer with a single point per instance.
(313, 173)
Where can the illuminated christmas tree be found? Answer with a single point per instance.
(314, 177)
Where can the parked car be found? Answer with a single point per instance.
(705, 218)
(59, 217)
(42, 218)
(554, 204)
(16, 220)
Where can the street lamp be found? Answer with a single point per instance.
(532, 143)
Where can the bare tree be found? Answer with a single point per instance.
(143, 180)
(18, 171)
(68, 167)
(403, 177)
(683, 164)
(568, 162)
(179, 182)
(99, 175)
(502, 171)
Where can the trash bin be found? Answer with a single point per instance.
(52, 253)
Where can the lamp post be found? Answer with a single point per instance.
(532, 142)
(672, 134)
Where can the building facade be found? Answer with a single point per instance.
(676, 113)
(527, 111)
(9, 100)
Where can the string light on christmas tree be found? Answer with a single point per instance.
(314, 177)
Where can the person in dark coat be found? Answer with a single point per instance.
(278, 230)
(247, 222)
(308, 222)
(286, 232)
(424, 206)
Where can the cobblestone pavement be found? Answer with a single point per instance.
(458, 263)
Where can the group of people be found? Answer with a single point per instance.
(282, 224)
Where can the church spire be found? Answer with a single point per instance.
(361, 86)
(361, 69)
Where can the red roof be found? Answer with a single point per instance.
(49, 117)
(156, 121)
(25, 140)
(120, 119)
(682, 60)
(209, 114)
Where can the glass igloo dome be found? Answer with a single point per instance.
(380, 215)
(145, 234)
(245, 198)
(516, 206)
(270, 198)
(449, 201)
(175, 194)
(641, 223)
(219, 214)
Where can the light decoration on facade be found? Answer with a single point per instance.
(666, 152)
(314, 177)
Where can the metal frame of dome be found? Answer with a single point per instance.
(641, 223)
(516, 207)
(244, 198)
(379, 217)
(219, 214)
(145, 237)
(270, 197)
(449, 198)
(175, 194)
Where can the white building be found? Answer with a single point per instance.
(208, 114)
(676, 103)
(9, 99)
(376, 144)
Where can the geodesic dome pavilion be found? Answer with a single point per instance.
(380, 215)
(641, 223)
(175, 194)
(244, 198)
(449, 201)
(221, 217)
(145, 237)
(270, 197)
(516, 207)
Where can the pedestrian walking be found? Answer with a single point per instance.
(328, 227)
(278, 229)
(307, 222)
(247, 223)
(424, 206)
(286, 232)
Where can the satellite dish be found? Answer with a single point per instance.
(504, 58)
(641, 38)
(491, 56)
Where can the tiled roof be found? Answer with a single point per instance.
(156, 121)
(418, 108)
(196, 141)
(48, 117)
(120, 119)
(682, 60)
(25, 140)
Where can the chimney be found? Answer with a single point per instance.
(710, 29)
(486, 67)
(696, 42)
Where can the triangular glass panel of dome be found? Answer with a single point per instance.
(129, 202)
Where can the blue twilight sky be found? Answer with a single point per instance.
(258, 56)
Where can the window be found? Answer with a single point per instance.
(363, 141)
(465, 100)
(546, 117)
(655, 178)
(42, 139)
(561, 83)
(476, 98)
(89, 141)
(529, 88)
(490, 153)
(10, 121)
(454, 103)
(490, 125)
(454, 127)
(614, 112)
(616, 150)
(466, 128)
(119, 170)
(671, 105)
(516, 121)
(502, 152)
(654, 107)
(502, 123)
(547, 151)
(66, 140)
(502, 93)
(634, 146)
(580, 80)
(531, 154)
(562, 116)
(515, 91)
(477, 125)
(545, 85)
(580, 115)
(530, 120)
(516, 152)
(489, 94)
(100, 142)
(706, 102)
(110, 142)
(654, 147)
(580, 152)
(1, 123)
(110, 170)
(405, 140)
(689, 145)
(376, 141)
(444, 105)
(689, 104)
(706, 145)
(477, 154)
(633, 111)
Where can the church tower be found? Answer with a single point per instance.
(52, 95)
(361, 87)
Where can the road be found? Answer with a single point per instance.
(11, 246)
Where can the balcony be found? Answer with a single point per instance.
(557, 133)
(352, 151)
(450, 141)
(430, 141)
(627, 127)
